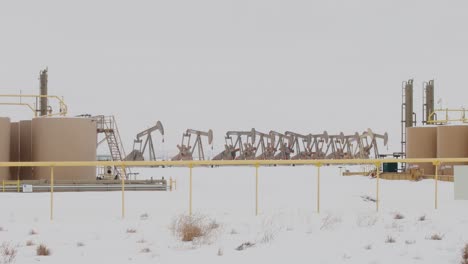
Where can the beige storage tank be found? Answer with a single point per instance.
(4, 147)
(64, 139)
(452, 142)
(421, 142)
(14, 148)
(25, 143)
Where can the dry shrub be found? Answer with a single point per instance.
(196, 227)
(80, 244)
(368, 247)
(33, 232)
(220, 252)
(390, 239)
(436, 237)
(141, 241)
(29, 243)
(1, 229)
(245, 246)
(367, 198)
(366, 220)
(43, 250)
(410, 242)
(329, 221)
(398, 216)
(144, 216)
(146, 250)
(131, 230)
(422, 218)
(7, 253)
(465, 255)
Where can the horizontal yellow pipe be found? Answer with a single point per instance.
(187, 163)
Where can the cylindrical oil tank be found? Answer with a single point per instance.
(64, 139)
(4, 147)
(25, 148)
(14, 149)
(452, 142)
(421, 142)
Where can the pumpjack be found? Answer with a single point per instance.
(245, 148)
(299, 140)
(139, 148)
(186, 149)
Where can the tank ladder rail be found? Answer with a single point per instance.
(108, 126)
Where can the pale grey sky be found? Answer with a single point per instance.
(305, 66)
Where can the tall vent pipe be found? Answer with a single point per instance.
(43, 89)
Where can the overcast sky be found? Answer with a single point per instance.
(305, 66)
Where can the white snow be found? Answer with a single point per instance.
(288, 229)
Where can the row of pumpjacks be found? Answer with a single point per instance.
(255, 145)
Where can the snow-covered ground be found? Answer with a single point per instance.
(88, 228)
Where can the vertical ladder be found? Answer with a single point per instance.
(108, 126)
(403, 121)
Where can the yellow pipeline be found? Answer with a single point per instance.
(198, 163)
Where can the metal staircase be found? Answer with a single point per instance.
(108, 126)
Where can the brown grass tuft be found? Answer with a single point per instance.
(33, 232)
(398, 216)
(131, 231)
(465, 255)
(188, 228)
(7, 253)
(146, 250)
(43, 250)
(390, 239)
(436, 237)
(29, 243)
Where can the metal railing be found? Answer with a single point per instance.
(255, 163)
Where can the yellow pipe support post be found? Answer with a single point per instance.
(122, 177)
(377, 198)
(190, 190)
(318, 187)
(51, 193)
(437, 164)
(256, 189)
(18, 184)
(3, 186)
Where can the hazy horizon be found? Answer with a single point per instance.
(304, 66)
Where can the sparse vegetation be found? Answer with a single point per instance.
(398, 216)
(245, 245)
(436, 237)
(329, 221)
(464, 255)
(390, 239)
(234, 232)
(368, 247)
(29, 243)
(366, 220)
(43, 250)
(367, 198)
(7, 253)
(141, 241)
(422, 218)
(33, 232)
(131, 230)
(220, 252)
(410, 242)
(146, 250)
(189, 228)
(267, 236)
(1, 229)
(144, 216)
(80, 244)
